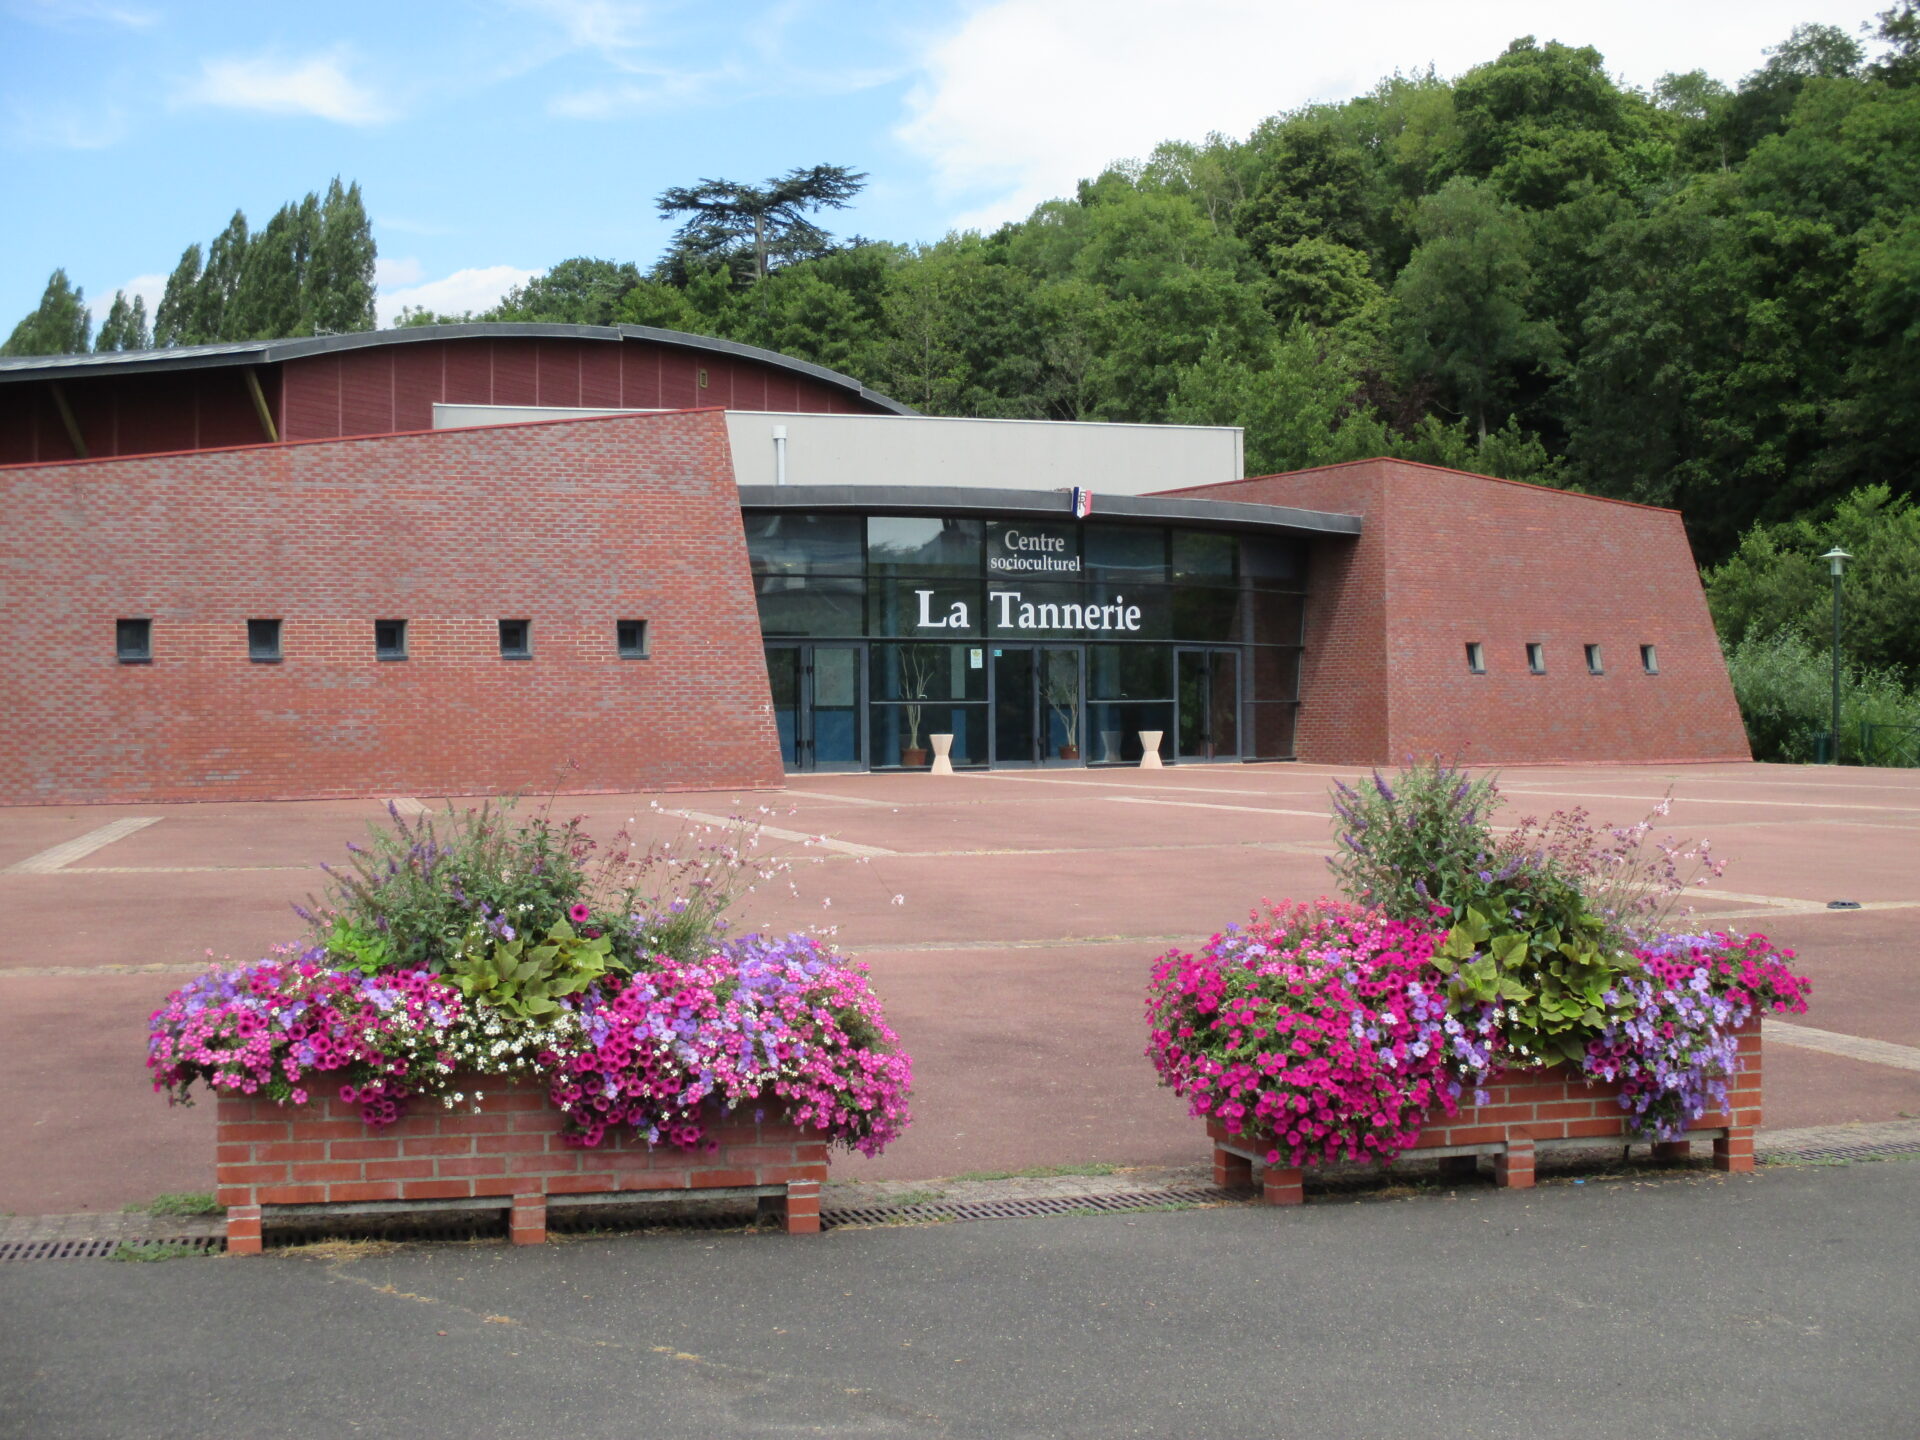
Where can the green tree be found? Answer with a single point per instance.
(769, 222)
(175, 319)
(338, 295)
(269, 299)
(213, 293)
(59, 325)
(1775, 581)
(1296, 398)
(581, 291)
(125, 327)
(1461, 303)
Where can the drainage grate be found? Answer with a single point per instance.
(1840, 1152)
(104, 1249)
(935, 1211)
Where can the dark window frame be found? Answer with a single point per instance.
(1476, 657)
(520, 647)
(395, 651)
(129, 650)
(1536, 657)
(642, 646)
(1596, 661)
(264, 645)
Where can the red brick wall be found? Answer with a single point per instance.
(574, 525)
(323, 1153)
(1447, 558)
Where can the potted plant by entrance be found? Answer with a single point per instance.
(917, 664)
(1063, 699)
(1482, 995)
(490, 1013)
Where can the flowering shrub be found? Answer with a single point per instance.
(277, 1027)
(1333, 1032)
(758, 1020)
(1675, 1048)
(628, 1002)
(1324, 1031)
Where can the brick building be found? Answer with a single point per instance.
(469, 559)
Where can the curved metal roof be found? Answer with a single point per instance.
(267, 352)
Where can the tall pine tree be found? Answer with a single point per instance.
(125, 327)
(339, 292)
(59, 326)
(176, 319)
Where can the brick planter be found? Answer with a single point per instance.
(1526, 1111)
(287, 1162)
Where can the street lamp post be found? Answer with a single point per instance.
(1836, 559)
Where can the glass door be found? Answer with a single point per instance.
(1039, 714)
(1209, 704)
(1016, 695)
(817, 705)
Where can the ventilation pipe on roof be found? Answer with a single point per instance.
(779, 454)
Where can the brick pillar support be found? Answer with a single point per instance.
(1282, 1187)
(243, 1230)
(1734, 1154)
(1513, 1166)
(1231, 1171)
(803, 1207)
(527, 1223)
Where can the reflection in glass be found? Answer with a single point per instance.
(966, 723)
(836, 705)
(898, 608)
(1129, 672)
(1270, 564)
(1114, 730)
(1127, 554)
(789, 543)
(1271, 728)
(929, 671)
(1204, 556)
(797, 605)
(1273, 674)
(1277, 618)
(914, 546)
(783, 674)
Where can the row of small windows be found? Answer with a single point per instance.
(1537, 659)
(133, 640)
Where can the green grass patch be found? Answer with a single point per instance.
(192, 1203)
(148, 1254)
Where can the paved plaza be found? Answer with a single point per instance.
(1013, 967)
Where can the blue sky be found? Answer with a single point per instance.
(493, 138)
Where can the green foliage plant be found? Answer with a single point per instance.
(525, 978)
(423, 884)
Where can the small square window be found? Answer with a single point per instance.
(263, 641)
(133, 641)
(1476, 658)
(1536, 657)
(516, 639)
(630, 639)
(1649, 661)
(389, 639)
(1595, 665)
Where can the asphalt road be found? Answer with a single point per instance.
(1783, 1304)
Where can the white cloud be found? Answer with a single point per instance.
(596, 24)
(148, 287)
(1026, 97)
(402, 270)
(318, 86)
(455, 294)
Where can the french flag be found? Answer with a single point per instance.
(1082, 502)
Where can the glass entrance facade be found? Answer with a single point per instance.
(1033, 642)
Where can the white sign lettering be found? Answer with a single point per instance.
(1015, 613)
(956, 616)
(1023, 552)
